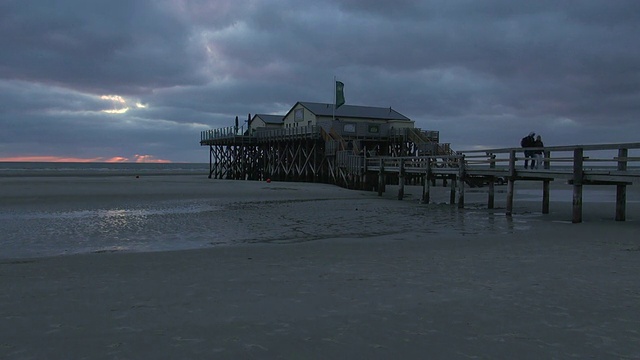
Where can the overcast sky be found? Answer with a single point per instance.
(138, 80)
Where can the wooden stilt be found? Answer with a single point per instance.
(381, 178)
(492, 185)
(510, 184)
(511, 181)
(578, 158)
(452, 192)
(210, 161)
(545, 196)
(401, 180)
(426, 185)
(621, 189)
(545, 185)
(621, 200)
(460, 182)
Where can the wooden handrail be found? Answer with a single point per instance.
(613, 146)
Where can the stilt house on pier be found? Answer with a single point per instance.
(313, 142)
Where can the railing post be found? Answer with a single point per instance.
(510, 182)
(492, 185)
(578, 160)
(621, 189)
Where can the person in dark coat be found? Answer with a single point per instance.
(537, 154)
(528, 142)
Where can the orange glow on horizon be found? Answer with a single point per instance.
(115, 159)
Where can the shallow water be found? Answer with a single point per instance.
(607, 195)
(124, 215)
(187, 224)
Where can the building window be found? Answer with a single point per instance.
(298, 114)
(374, 129)
(349, 128)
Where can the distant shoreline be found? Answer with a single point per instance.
(74, 173)
(42, 169)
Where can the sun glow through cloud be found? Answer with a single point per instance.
(114, 98)
(116, 111)
(120, 104)
(149, 159)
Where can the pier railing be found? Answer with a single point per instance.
(221, 133)
(346, 159)
(579, 165)
(262, 134)
(417, 135)
(290, 133)
(606, 163)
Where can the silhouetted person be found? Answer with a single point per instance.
(528, 142)
(537, 153)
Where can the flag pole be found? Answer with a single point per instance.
(334, 98)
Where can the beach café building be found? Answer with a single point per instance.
(347, 120)
(314, 140)
(265, 121)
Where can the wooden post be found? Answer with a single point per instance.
(510, 183)
(578, 160)
(452, 193)
(363, 170)
(401, 180)
(381, 178)
(210, 160)
(492, 185)
(426, 185)
(621, 189)
(461, 175)
(545, 185)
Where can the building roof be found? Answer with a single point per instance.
(270, 119)
(353, 111)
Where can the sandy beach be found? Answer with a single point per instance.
(310, 271)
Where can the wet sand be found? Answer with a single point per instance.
(335, 274)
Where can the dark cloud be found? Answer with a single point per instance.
(102, 47)
(481, 72)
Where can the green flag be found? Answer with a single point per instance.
(339, 94)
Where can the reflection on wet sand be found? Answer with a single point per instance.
(165, 218)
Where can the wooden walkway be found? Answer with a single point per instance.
(579, 165)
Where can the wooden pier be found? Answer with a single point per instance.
(316, 153)
(366, 160)
(579, 165)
